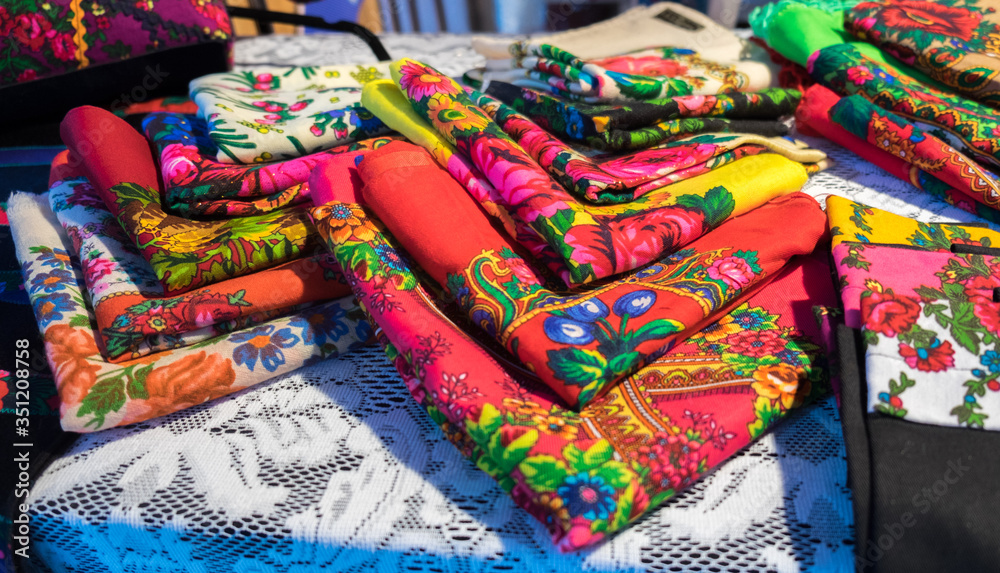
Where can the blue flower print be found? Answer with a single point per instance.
(635, 303)
(390, 258)
(587, 496)
(56, 258)
(50, 308)
(52, 281)
(588, 311)
(566, 331)
(991, 360)
(264, 343)
(321, 324)
(574, 124)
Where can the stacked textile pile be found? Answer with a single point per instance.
(163, 273)
(608, 328)
(911, 86)
(593, 267)
(617, 318)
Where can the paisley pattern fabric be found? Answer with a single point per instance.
(968, 126)
(266, 114)
(901, 138)
(624, 178)
(41, 40)
(130, 311)
(813, 116)
(639, 125)
(648, 74)
(95, 394)
(197, 185)
(185, 254)
(587, 474)
(927, 306)
(580, 343)
(953, 41)
(580, 243)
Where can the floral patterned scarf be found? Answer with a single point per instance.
(814, 115)
(185, 254)
(578, 344)
(639, 125)
(624, 178)
(579, 242)
(95, 394)
(197, 185)
(901, 138)
(267, 114)
(968, 126)
(585, 475)
(130, 311)
(643, 75)
(956, 43)
(925, 297)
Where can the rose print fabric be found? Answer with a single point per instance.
(587, 474)
(198, 185)
(131, 313)
(626, 177)
(813, 115)
(924, 296)
(41, 40)
(901, 138)
(648, 74)
(579, 344)
(954, 42)
(969, 126)
(95, 394)
(185, 254)
(639, 125)
(269, 114)
(580, 243)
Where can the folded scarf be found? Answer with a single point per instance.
(185, 254)
(930, 316)
(954, 44)
(901, 138)
(966, 125)
(624, 178)
(95, 394)
(643, 124)
(198, 185)
(130, 311)
(797, 31)
(813, 114)
(578, 344)
(586, 475)
(580, 243)
(648, 74)
(280, 113)
(761, 17)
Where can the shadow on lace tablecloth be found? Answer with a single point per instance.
(337, 468)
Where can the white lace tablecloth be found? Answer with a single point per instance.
(336, 468)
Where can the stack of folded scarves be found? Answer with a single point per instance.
(144, 312)
(619, 59)
(919, 93)
(686, 333)
(590, 405)
(578, 241)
